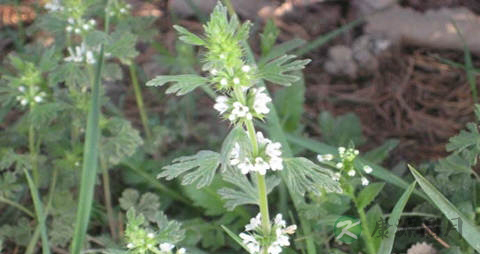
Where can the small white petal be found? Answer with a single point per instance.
(151, 235)
(246, 68)
(223, 82)
(352, 172)
(166, 246)
(339, 165)
(365, 181)
(130, 245)
(236, 81)
(367, 169)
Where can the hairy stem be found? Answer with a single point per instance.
(367, 237)
(33, 153)
(108, 199)
(17, 205)
(139, 98)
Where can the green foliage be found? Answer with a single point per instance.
(20, 232)
(289, 104)
(469, 231)
(341, 130)
(368, 194)
(147, 205)
(9, 184)
(119, 140)
(276, 71)
(188, 37)
(182, 84)
(269, 36)
(202, 167)
(302, 175)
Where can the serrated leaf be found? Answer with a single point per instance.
(20, 232)
(188, 37)
(182, 84)
(119, 141)
(202, 167)
(9, 185)
(122, 46)
(341, 130)
(281, 49)
(168, 230)
(276, 71)
(368, 194)
(469, 231)
(374, 214)
(302, 175)
(207, 198)
(147, 205)
(236, 135)
(269, 36)
(387, 243)
(245, 193)
(466, 138)
(97, 37)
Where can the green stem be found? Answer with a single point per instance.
(367, 237)
(108, 200)
(16, 205)
(139, 98)
(33, 153)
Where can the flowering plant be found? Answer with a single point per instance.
(247, 159)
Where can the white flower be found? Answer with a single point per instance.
(69, 28)
(252, 244)
(246, 68)
(235, 155)
(223, 82)
(356, 152)
(260, 101)
(254, 223)
(236, 81)
(181, 251)
(246, 166)
(365, 181)
(336, 176)
(38, 98)
(123, 10)
(279, 221)
(239, 111)
(276, 163)
(151, 235)
(23, 101)
(149, 245)
(92, 22)
(261, 139)
(166, 246)
(339, 165)
(54, 5)
(273, 149)
(351, 172)
(80, 54)
(222, 56)
(261, 166)
(221, 104)
(130, 245)
(324, 157)
(70, 21)
(213, 72)
(21, 89)
(367, 169)
(341, 150)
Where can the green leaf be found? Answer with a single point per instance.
(202, 167)
(235, 237)
(468, 229)
(302, 175)
(281, 49)
(182, 84)
(168, 230)
(269, 36)
(147, 205)
(97, 37)
(245, 193)
(374, 214)
(236, 135)
(119, 141)
(90, 161)
(292, 111)
(188, 37)
(20, 232)
(276, 70)
(387, 243)
(39, 212)
(122, 46)
(207, 197)
(9, 185)
(379, 154)
(341, 130)
(368, 194)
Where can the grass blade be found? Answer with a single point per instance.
(465, 227)
(39, 211)
(90, 163)
(235, 237)
(387, 244)
(468, 64)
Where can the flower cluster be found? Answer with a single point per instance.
(54, 5)
(79, 25)
(80, 54)
(270, 157)
(345, 164)
(253, 237)
(30, 95)
(118, 9)
(165, 248)
(256, 105)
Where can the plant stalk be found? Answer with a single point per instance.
(33, 153)
(139, 98)
(108, 198)
(17, 205)
(367, 237)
